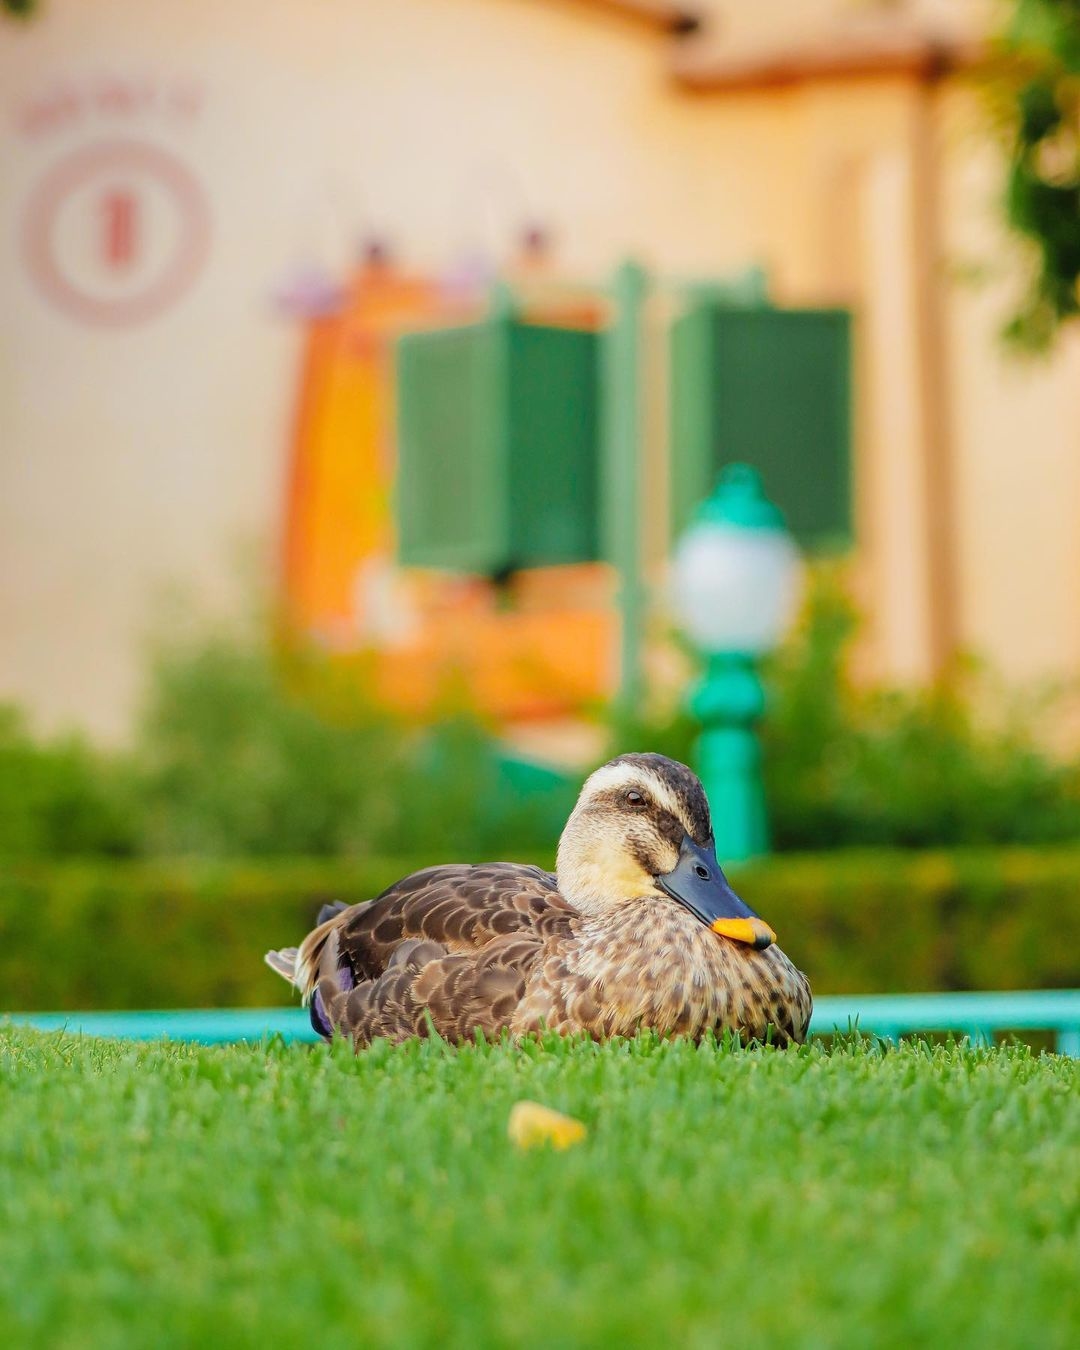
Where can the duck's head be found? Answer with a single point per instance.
(642, 827)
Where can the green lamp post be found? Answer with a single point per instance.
(734, 585)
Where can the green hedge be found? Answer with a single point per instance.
(140, 935)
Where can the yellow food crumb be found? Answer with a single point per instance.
(531, 1124)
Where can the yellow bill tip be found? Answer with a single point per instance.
(755, 933)
(531, 1124)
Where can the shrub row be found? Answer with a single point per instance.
(159, 935)
(249, 746)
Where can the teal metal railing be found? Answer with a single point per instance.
(207, 1026)
(977, 1015)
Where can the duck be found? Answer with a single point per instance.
(637, 928)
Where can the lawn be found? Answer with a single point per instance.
(174, 1195)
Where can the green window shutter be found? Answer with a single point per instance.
(777, 396)
(553, 445)
(452, 508)
(693, 413)
(497, 447)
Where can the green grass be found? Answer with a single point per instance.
(261, 1196)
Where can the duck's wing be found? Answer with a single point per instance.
(426, 987)
(461, 907)
(454, 944)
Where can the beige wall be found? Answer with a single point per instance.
(132, 457)
(1014, 428)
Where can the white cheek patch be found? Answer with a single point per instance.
(609, 873)
(602, 874)
(623, 871)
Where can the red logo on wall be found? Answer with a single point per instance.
(116, 232)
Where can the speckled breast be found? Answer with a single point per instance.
(652, 964)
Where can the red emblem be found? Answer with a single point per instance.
(116, 232)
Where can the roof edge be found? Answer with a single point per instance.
(662, 16)
(923, 59)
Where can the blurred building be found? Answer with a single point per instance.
(186, 187)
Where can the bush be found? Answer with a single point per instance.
(142, 935)
(853, 766)
(61, 798)
(236, 755)
(955, 764)
(249, 749)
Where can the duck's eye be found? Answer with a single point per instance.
(634, 798)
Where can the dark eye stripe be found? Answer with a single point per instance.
(671, 827)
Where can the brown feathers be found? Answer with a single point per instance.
(495, 948)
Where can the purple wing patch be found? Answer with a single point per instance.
(320, 1023)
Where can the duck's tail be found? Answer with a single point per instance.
(316, 956)
(284, 962)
